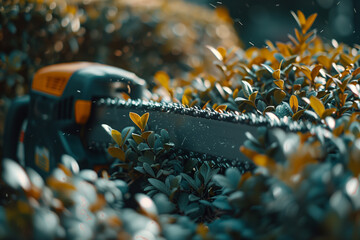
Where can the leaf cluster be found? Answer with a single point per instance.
(304, 79)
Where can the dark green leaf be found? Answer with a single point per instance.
(159, 185)
(246, 88)
(148, 169)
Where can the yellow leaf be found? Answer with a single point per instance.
(298, 35)
(270, 45)
(309, 23)
(59, 185)
(221, 108)
(279, 95)
(202, 230)
(325, 61)
(252, 97)
(144, 120)
(328, 112)
(293, 40)
(356, 58)
(163, 78)
(279, 83)
(248, 152)
(294, 104)
(125, 96)
(244, 177)
(116, 135)
(117, 153)
(64, 169)
(236, 91)
(99, 204)
(315, 72)
(205, 105)
(222, 51)
(264, 161)
(223, 14)
(215, 105)
(185, 100)
(345, 60)
(317, 105)
(297, 115)
(137, 138)
(306, 71)
(301, 17)
(276, 74)
(356, 72)
(193, 103)
(136, 119)
(146, 134)
(188, 91)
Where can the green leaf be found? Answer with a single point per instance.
(193, 198)
(148, 169)
(168, 146)
(140, 169)
(190, 180)
(283, 110)
(143, 147)
(354, 90)
(233, 175)
(151, 139)
(164, 135)
(222, 181)
(192, 209)
(268, 68)
(246, 88)
(126, 133)
(204, 170)
(222, 203)
(237, 198)
(159, 185)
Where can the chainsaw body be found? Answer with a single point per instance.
(51, 121)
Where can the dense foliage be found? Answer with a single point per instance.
(303, 185)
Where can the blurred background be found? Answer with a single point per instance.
(259, 20)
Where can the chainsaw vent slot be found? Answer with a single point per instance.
(55, 84)
(65, 108)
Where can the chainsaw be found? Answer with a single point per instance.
(70, 103)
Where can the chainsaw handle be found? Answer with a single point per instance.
(16, 114)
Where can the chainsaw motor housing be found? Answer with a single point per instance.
(58, 108)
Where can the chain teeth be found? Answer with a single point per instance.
(208, 113)
(250, 119)
(224, 163)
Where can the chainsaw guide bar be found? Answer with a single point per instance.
(206, 132)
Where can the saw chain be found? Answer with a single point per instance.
(209, 134)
